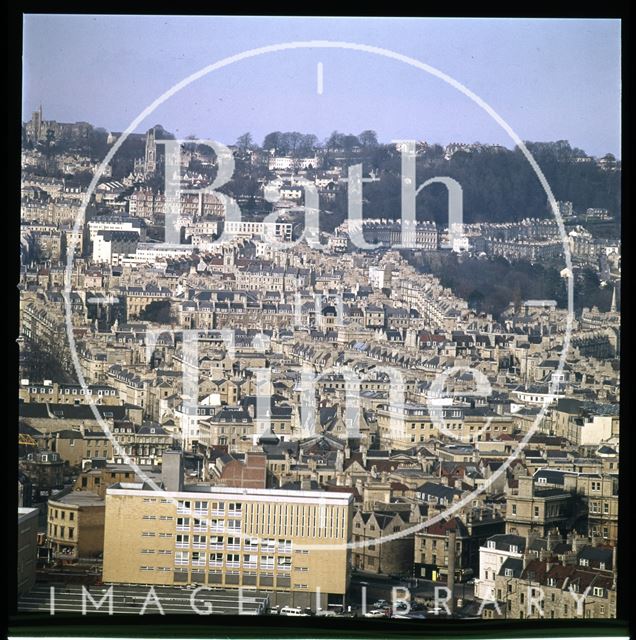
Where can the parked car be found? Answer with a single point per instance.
(293, 611)
(375, 613)
(381, 604)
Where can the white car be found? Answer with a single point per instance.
(293, 611)
(375, 613)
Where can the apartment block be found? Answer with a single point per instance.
(280, 541)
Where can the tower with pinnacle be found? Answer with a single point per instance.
(150, 160)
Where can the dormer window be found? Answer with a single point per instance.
(508, 573)
(491, 544)
(514, 548)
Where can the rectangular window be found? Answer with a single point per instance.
(200, 524)
(233, 543)
(217, 525)
(201, 506)
(199, 542)
(218, 508)
(232, 560)
(250, 560)
(184, 506)
(183, 540)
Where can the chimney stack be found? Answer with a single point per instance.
(452, 537)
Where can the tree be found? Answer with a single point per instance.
(334, 141)
(294, 142)
(368, 138)
(349, 143)
(272, 141)
(245, 142)
(308, 144)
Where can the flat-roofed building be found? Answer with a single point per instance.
(27, 548)
(286, 542)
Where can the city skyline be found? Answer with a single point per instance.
(279, 91)
(364, 378)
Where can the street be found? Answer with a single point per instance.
(129, 599)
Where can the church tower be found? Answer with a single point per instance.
(150, 162)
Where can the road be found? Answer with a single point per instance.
(381, 587)
(129, 599)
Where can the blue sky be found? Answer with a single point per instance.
(549, 79)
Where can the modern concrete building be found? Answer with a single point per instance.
(286, 542)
